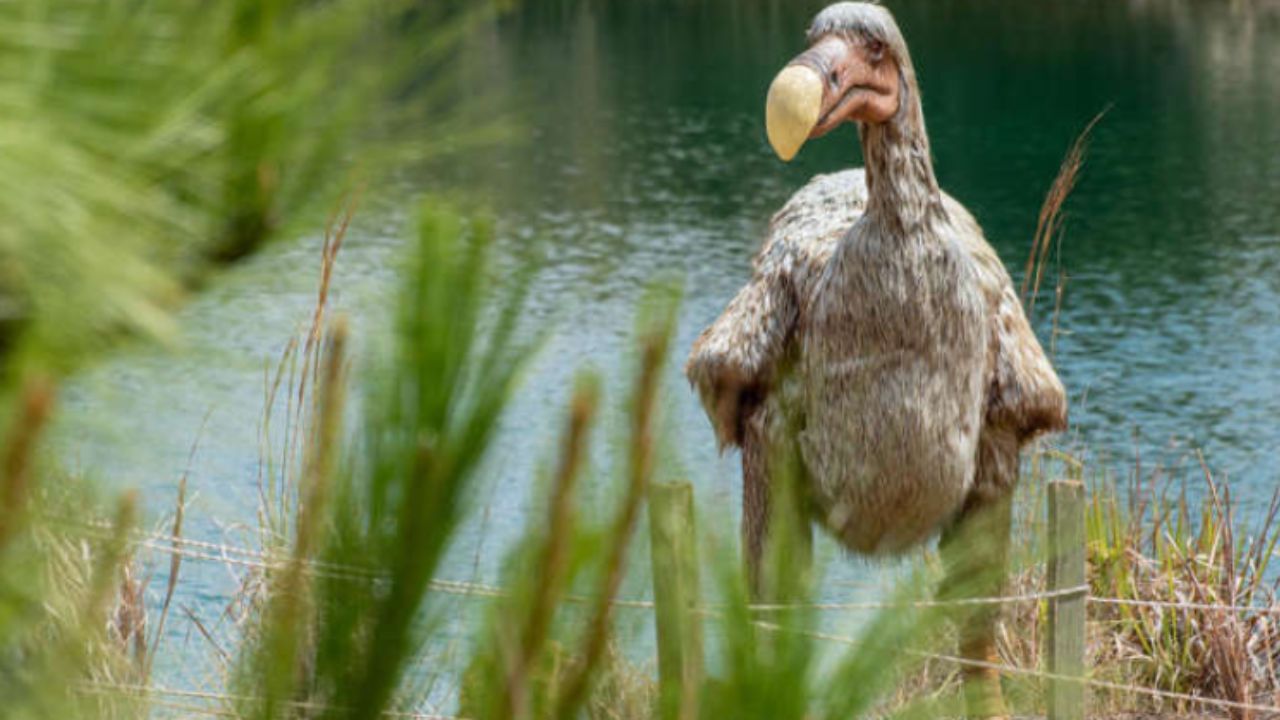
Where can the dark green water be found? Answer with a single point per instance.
(643, 157)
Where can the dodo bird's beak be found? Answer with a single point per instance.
(792, 109)
(834, 81)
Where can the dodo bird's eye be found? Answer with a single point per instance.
(834, 77)
(875, 48)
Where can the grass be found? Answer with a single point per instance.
(1163, 548)
(388, 498)
(1148, 542)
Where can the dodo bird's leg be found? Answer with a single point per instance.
(975, 555)
(776, 537)
(755, 504)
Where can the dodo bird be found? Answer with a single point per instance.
(880, 338)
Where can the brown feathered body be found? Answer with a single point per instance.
(881, 337)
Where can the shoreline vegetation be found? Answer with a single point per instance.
(315, 642)
(215, 145)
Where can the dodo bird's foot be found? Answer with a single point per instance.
(983, 697)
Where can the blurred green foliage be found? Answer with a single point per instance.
(143, 141)
(433, 404)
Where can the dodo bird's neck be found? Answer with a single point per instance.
(902, 190)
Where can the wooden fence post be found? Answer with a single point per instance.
(675, 594)
(1065, 649)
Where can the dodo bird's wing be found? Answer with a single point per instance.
(733, 361)
(1025, 394)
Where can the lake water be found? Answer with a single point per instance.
(642, 157)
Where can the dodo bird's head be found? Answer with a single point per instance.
(856, 69)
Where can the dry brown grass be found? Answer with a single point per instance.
(622, 690)
(1050, 220)
(1166, 548)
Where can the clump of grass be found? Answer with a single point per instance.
(68, 601)
(432, 406)
(1173, 565)
(539, 658)
(1165, 548)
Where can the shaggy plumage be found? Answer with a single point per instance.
(880, 334)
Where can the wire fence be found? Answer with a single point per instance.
(183, 700)
(227, 700)
(261, 560)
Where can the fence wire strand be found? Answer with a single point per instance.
(141, 691)
(1183, 605)
(260, 560)
(960, 602)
